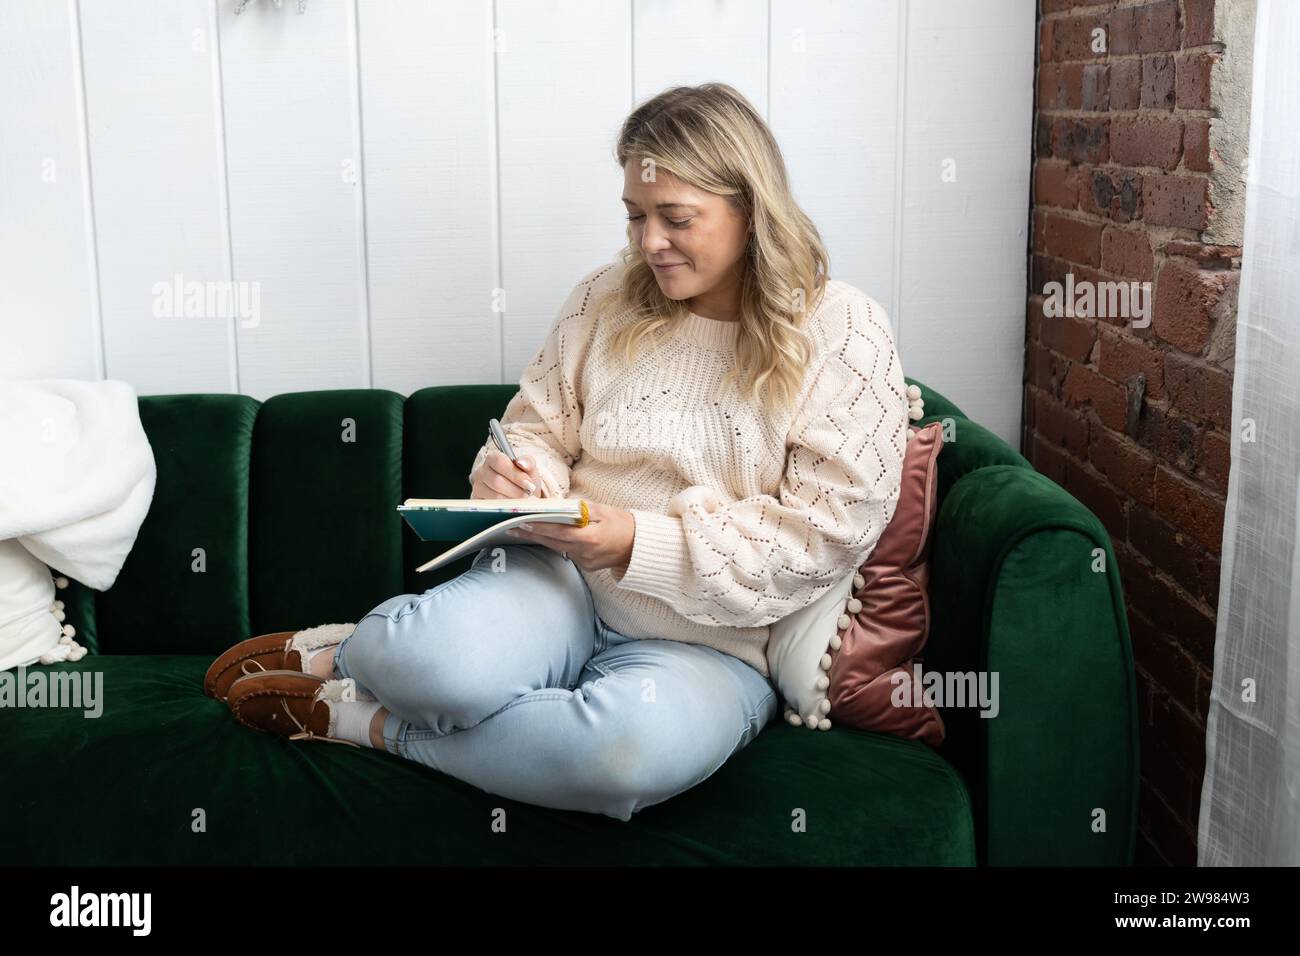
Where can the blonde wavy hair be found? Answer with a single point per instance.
(712, 138)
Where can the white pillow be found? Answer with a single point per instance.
(80, 483)
(798, 654)
(30, 618)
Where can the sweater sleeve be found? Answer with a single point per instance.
(542, 419)
(753, 561)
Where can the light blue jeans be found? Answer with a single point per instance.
(506, 678)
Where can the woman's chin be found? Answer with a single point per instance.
(672, 286)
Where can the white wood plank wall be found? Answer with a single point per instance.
(399, 193)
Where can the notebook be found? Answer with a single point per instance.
(483, 522)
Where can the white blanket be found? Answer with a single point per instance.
(76, 479)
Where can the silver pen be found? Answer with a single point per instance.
(503, 443)
(499, 436)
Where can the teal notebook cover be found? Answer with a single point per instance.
(477, 529)
(438, 525)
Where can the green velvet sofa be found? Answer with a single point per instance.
(280, 515)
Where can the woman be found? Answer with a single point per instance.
(736, 421)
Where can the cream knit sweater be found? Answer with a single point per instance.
(741, 519)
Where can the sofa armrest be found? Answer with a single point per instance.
(1024, 584)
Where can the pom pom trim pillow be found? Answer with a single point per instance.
(31, 618)
(848, 655)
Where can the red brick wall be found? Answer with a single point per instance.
(1134, 421)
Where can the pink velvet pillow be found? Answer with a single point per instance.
(887, 621)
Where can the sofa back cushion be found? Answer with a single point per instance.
(184, 587)
(325, 539)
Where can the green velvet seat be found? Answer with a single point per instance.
(280, 515)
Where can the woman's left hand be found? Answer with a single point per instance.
(604, 542)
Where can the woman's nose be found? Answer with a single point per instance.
(653, 239)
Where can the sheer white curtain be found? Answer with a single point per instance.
(1250, 798)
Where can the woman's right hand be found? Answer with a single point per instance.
(499, 477)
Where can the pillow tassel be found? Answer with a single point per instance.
(66, 649)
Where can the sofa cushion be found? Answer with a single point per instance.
(184, 586)
(127, 787)
(325, 538)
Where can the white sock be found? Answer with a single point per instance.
(352, 720)
(362, 693)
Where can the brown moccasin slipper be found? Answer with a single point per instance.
(290, 704)
(281, 650)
